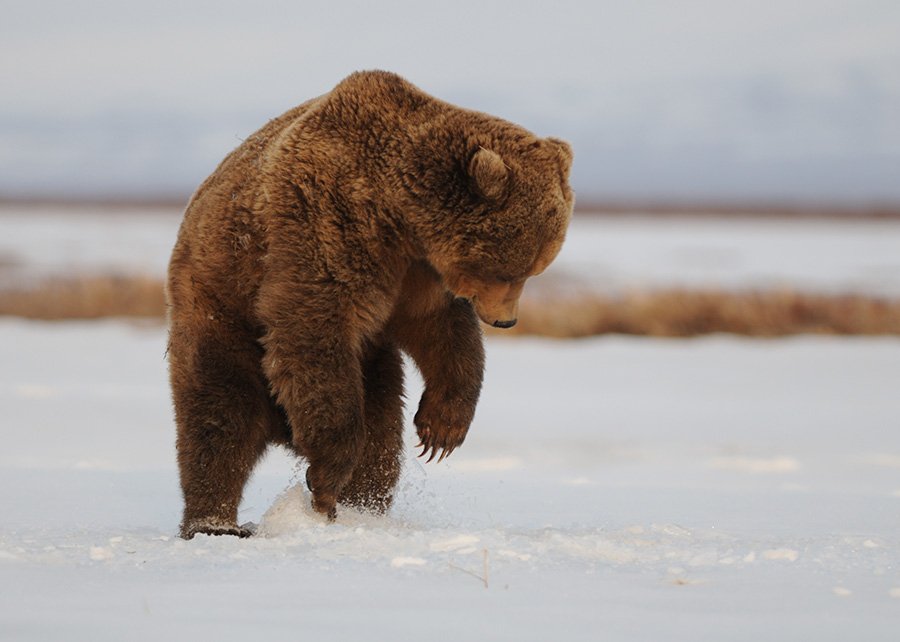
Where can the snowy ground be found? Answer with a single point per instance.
(606, 253)
(613, 488)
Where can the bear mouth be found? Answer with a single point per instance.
(492, 319)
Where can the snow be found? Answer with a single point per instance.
(39, 241)
(737, 252)
(625, 488)
(614, 488)
(601, 252)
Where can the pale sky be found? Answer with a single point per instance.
(795, 100)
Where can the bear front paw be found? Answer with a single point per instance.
(324, 497)
(441, 426)
(325, 504)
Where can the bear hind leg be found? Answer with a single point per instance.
(375, 476)
(224, 417)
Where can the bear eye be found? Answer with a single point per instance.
(512, 279)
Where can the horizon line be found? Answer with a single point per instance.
(596, 206)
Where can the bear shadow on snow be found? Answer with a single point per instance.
(369, 220)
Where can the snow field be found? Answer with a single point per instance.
(613, 488)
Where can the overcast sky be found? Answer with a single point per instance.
(709, 99)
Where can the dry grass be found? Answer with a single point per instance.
(687, 313)
(86, 298)
(668, 313)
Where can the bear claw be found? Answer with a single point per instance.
(443, 444)
(445, 452)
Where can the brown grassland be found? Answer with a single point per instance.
(667, 313)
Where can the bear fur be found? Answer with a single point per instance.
(367, 221)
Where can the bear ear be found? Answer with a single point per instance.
(563, 153)
(490, 174)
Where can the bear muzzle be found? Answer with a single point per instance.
(496, 302)
(497, 305)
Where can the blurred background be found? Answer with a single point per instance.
(696, 102)
(737, 171)
(732, 119)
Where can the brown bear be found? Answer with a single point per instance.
(367, 221)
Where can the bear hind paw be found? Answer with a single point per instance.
(212, 526)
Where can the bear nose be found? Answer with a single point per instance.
(505, 324)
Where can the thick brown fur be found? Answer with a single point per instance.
(367, 221)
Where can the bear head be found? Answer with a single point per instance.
(496, 204)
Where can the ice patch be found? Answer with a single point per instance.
(786, 554)
(671, 529)
(596, 549)
(100, 553)
(400, 562)
(706, 558)
(453, 544)
(756, 465)
(840, 591)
